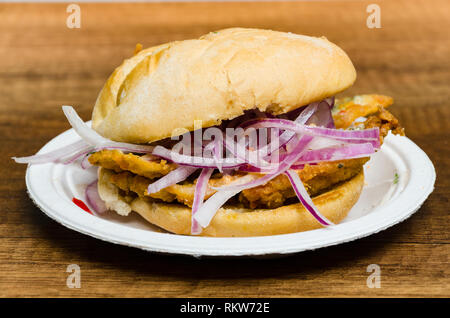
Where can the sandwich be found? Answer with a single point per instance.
(234, 134)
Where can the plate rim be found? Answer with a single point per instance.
(353, 229)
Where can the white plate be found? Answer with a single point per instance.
(382, 204)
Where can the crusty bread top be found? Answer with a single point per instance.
(217, 77)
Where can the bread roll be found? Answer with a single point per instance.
(217, 77)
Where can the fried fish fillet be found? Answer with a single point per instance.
(316, 179)
(385, 121)
(371, 109)
(141, 165)
(347, 110)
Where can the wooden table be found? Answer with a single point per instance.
(44, 64)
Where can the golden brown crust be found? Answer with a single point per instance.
(334, 204)
(273, 194)
(217, 77)
(118, 161)
(107, 99)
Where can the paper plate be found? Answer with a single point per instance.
(385, 201)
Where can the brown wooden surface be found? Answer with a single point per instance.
(43, 65)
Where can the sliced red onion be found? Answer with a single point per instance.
(218, 154)
(242, 153)
(199, 162)
(256, 157)
(93, 198)
(206, 212)
(306, 114)
(215, 147)
(249, 168)
(286, 136)
(350, 151)
(54, 155)
(299, 166)
(209, 147)
(85, 162)
(126, 147)
(173, 177)
(305, 199)
(90, 138)
(340, 134)
(322, 116)
(342, 152)
(111, 146)
(321, 142)
(316, 113)
(85, 132)
(77, 155)
(199, 196)
(330, 101)
(345, 151)
(93, 138)
(290, 159)
(69, 154)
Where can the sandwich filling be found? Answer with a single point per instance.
(133, 173)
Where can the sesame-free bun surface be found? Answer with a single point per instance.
(162, 90)
(176, 218)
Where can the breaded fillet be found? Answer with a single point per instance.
(118, 161)
(316, 179)
(347, 110)
(183, 192)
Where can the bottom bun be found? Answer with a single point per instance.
(239, 222)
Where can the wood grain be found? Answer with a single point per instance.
(43, 65)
